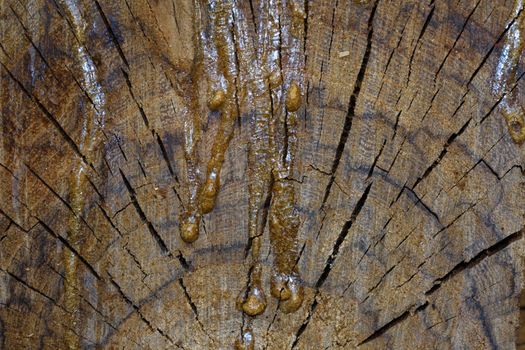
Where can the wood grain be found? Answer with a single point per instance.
(408, 184)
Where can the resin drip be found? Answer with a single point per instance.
(506, 74)
(284, 226)
(226, 55)
(271, 155)
(190, 219)
(261, 146)
(259, 72)
(202, 197)
(246, 340)
(91, 124)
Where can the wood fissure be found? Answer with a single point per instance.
(263, 174)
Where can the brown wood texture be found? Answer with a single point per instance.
(400, 216)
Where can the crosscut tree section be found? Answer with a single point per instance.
(397, 174)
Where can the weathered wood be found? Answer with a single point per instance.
(358, 162)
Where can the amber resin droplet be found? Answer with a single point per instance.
(209, 192)
(275, 80)
(217, 100)
(279, 288)
(515, 125)
(189, 228)
(295, 301)
(255, 302)
(246, 342)
(293, 98)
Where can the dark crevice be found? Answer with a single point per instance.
(418, 201)
(341, 238)
(4, 51)
(383, 329)
(485, 253)
(421, 33)
(265, 208)
(253, 17)
(270, 325)
(381, 279)
(94, 187)
(184, 263)
(175, 16)
(491, 109)
(50, 118)
(331, 260)
(397, 154)
(178, 197)
(131, 303)
(412, 276)
(68, 206)
(398, 195)
(333, 29)
(111, 33)
(351, 106)
(136, 260)
(396, 125)
(117, 139)
(505, 94)
(12, 222)
(321, 226)
(372, 167)
(68, 245)
(162, 245)
(142, 170)
(442, 154)
(286, 138)
(490, 168)
(130, 89)
(34, 289)
(520, 329)
(304, 325)
(430, 105)
(188, 299)
(9, 171)
(456, 40)
(401, 35)
(161, 332)
(107, 166)
(237, 81)
(193, 308)
(405, 238)
(166, 158)
(305, 24)
(485, 58)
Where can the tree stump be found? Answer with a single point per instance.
(261, 174)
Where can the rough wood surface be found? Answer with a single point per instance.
(407, 176)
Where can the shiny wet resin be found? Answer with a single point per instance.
(92, 121)
(506, 76)
(259, 71)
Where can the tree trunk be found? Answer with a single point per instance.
(258, 174)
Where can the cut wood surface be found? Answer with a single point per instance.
(263, 174)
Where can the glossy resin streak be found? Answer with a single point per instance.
(219, 46)
(258, 70)
(92, 121)
(506, 76)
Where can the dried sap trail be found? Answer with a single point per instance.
(506, 75)
(92, 122)
(219, 48)
(255, 67)
(283, 218)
